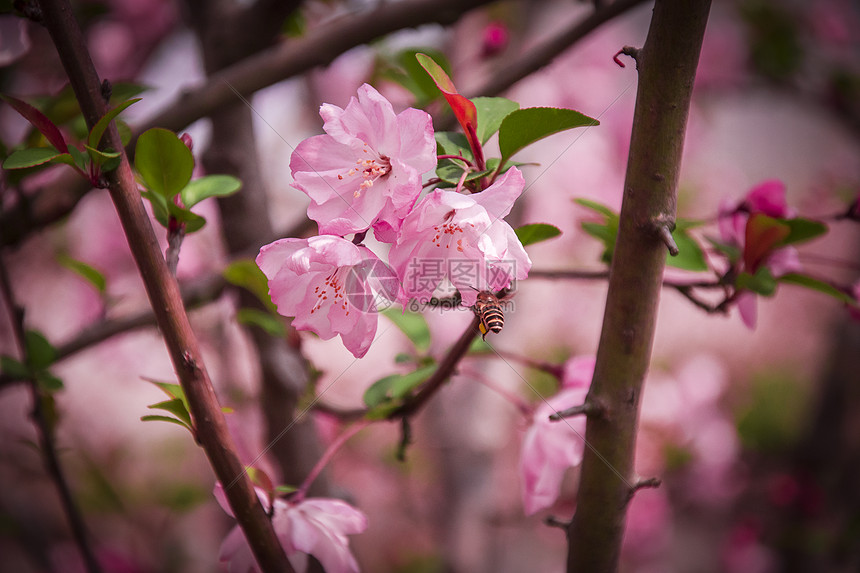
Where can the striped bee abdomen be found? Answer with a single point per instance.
(489, 311)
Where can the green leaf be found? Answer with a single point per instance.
(597, 207)
(30, 157)
(403, 358)
(96, 133)
(107, 160)
(396, 386)
(80, 159)
(536, 232)
(171, 389)
(451, 171)
(802, 230)
(159, 206)
(156, 418)
(14, 368)
(817, 285)
(193, 221)
(48, 382)
(762, 282)
(731, 252)
(414, 78)
(491, 112)
(88, 273)
(525, 126)
(40, 352)
(412, 325)
(480, 346)
(163, 161)
(123, 91)
(294, 25)
(246, 274)
(176, 407)
(690, 255)
(605, 233)
(271, 324)
(209, 186)
(453, 143)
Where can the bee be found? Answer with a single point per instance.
(489, 310)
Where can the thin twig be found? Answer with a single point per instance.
(590, 408)
(46, 435)
(441, 374)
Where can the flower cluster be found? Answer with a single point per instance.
(366, 173)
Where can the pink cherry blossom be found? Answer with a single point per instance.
(329, 285)
(463, 238)
(316, 526)
(550, 448)
(366, 170)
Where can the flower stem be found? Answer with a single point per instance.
(327, 456)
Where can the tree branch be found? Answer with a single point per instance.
(163, 291)
(542, 55)
(441, 374)
(44, 427)
(667, 67)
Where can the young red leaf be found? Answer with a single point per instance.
(40, 121)
(762, 235)
(464, 110)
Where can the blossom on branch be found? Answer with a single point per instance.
(753, 229)
(316, 526)
(366, 170)
(550, 448)
(463, 238)
(331, 287)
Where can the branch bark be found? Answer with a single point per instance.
(667, 67)
(163, 291)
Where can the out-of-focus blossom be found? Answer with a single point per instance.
(854, 309)
(494, 38)
(550, 448)
(366, 170)
(463, 238)
(14, 39)
(316, 526)
(745, 227)
(744, 552)
(329, 285)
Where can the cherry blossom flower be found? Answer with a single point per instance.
(315, 526)
(366, 170)
(331, 287)
(740, 228)
(463, 238)
(550, 448)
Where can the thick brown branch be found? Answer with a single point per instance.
(163, 291)
(667, 67)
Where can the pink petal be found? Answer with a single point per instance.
(784, 261)
(499, 197)
(769, 198)
(746, 302)
(578, 372)
(417, 143)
